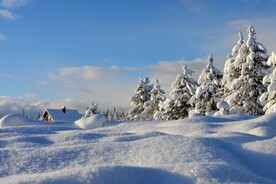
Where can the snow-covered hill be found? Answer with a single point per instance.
(226, 149)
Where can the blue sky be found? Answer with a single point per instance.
(70, 52)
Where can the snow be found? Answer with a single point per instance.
(200, 149)
(223, 105)
(16, 120)
(94, 121)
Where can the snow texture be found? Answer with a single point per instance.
(202, 149)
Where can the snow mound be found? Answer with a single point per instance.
(263, 132)
(14, 120)
(94, 121)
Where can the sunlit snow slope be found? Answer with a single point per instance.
(226, 149)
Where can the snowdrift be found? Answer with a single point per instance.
(94, 121)
(225, 149)
(16, 120)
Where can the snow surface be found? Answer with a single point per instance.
(225, 149)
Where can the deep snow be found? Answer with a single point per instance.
(201, 149)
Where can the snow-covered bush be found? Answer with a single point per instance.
(223, 108)
(245, 90)
(142, 94)
(268, 99)
(177, 106)
(152, 106)
(206, 95)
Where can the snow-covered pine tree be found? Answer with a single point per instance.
(91, 110)
(245, 90)
(177, 106)
(152, 106)
(268, 99)
(142, 94)
(231, 72)
(206, 96)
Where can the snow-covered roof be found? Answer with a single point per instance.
(58, 115)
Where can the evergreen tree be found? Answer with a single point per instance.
(152, 106)
(114, 114)
(142, 94)
(268, 99)
(91, 110)
(177, 106)
(206, 97)
(245, 90)
(231, 71)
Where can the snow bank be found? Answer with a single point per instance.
(94, 121)
(15, 120)
(225, 149)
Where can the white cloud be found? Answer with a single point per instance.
(2, 37)
(8, 15)
(89, 73)
(13, 3)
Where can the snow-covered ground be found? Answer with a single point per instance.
(229, 149)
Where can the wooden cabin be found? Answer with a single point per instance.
(62, 115)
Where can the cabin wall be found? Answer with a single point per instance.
(48, 118)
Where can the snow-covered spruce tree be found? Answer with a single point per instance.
(245, 90)
(177, 106)
(114, 114)
(142, 94)
(206, 96)
(91, 110)
(152, 106)
(268, 99)
(231, 72)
